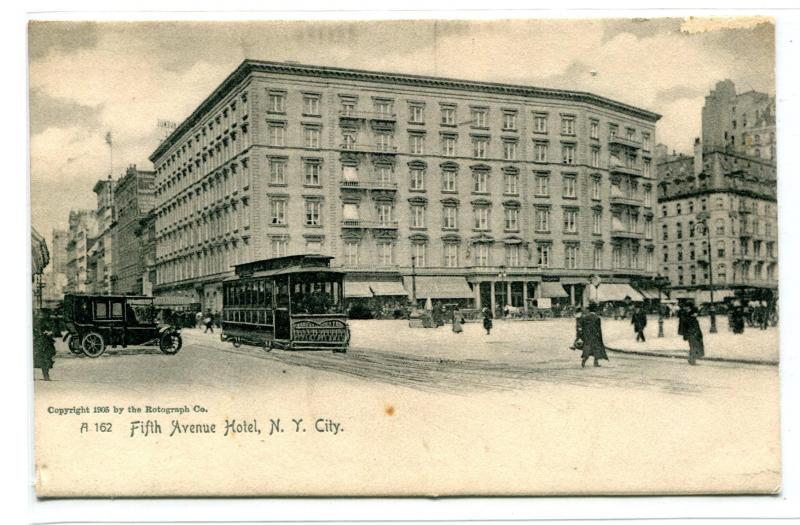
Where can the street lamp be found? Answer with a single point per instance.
(413, 281)
(661, 282)
(703, 218)
(502, 276)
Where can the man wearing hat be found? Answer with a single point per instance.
(591, 333)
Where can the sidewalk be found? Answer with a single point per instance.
(753, 346)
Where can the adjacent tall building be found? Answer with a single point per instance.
(741, 123)
(735, 197)
(489, 193)
(133, 200)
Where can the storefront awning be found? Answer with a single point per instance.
(353, 289)
(649, 293)
(551, 290)
(387, 288)
(174, 300)
(704, 296)
(440, 287)
(617, 292)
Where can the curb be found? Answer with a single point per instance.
(684, 356)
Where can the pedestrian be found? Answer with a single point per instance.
(578, 342)
(209, 322)
(763, 319)
(591, 333)
(458, 320)
(738, 318)
(487, 320)
(44, 350)
(198, 319)
(639, 321)
(689, 329)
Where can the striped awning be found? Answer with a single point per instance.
(552, 290)
(440, 287)
(387, 288)
(356, 289)
(617, 292)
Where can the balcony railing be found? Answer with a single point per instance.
(626, 170)
(366, 223)
(368, 115)
(368, 148)
(626, 234)
(626, 200)
(368, 184)
(622, 141)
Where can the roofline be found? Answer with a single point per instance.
(249, 66)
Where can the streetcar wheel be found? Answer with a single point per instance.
(74, 344)
(93, 344)
(170, 343)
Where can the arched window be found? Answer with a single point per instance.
(720, 230)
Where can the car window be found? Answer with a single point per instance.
(116, 309)
(101, 310)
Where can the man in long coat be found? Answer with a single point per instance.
(639, 321)
(689, 329)
(44, 350)
(591, 333)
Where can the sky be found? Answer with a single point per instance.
(87, 79)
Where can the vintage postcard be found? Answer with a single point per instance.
(423, 257)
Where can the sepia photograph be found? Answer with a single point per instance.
(434, 257)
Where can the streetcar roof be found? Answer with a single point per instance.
(286, 271)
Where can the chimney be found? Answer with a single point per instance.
(698, 157)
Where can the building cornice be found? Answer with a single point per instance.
(248, 66)
(712, 191)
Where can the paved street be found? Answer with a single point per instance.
(515, 355)
(465, 405)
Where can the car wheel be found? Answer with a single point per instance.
(93, 344)
(170, 343)
(237, 343)
(74, 345)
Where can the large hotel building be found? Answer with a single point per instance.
(490, 194)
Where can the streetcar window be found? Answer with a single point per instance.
(267, 294)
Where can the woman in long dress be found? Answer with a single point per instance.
(457, 320)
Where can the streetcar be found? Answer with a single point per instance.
(291, 303)
(94, 322)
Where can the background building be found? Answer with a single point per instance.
(739, 123)
(498, 194)
(133, 200)
(146, 235)
(736, 196)
(54, 280)
(100, 278)
(82, 232)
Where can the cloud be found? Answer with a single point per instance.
(47, 111)
(58, 37)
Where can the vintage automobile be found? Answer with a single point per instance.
(94, 322)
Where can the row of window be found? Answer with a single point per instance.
(481, 254)
(769, 250)
(720, 202)
(736, 224)
(744, 272)
(208, 262)
(384, 141)
(226, 182)
(225, 221)
(479, 116)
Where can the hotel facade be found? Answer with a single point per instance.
(487, 194)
